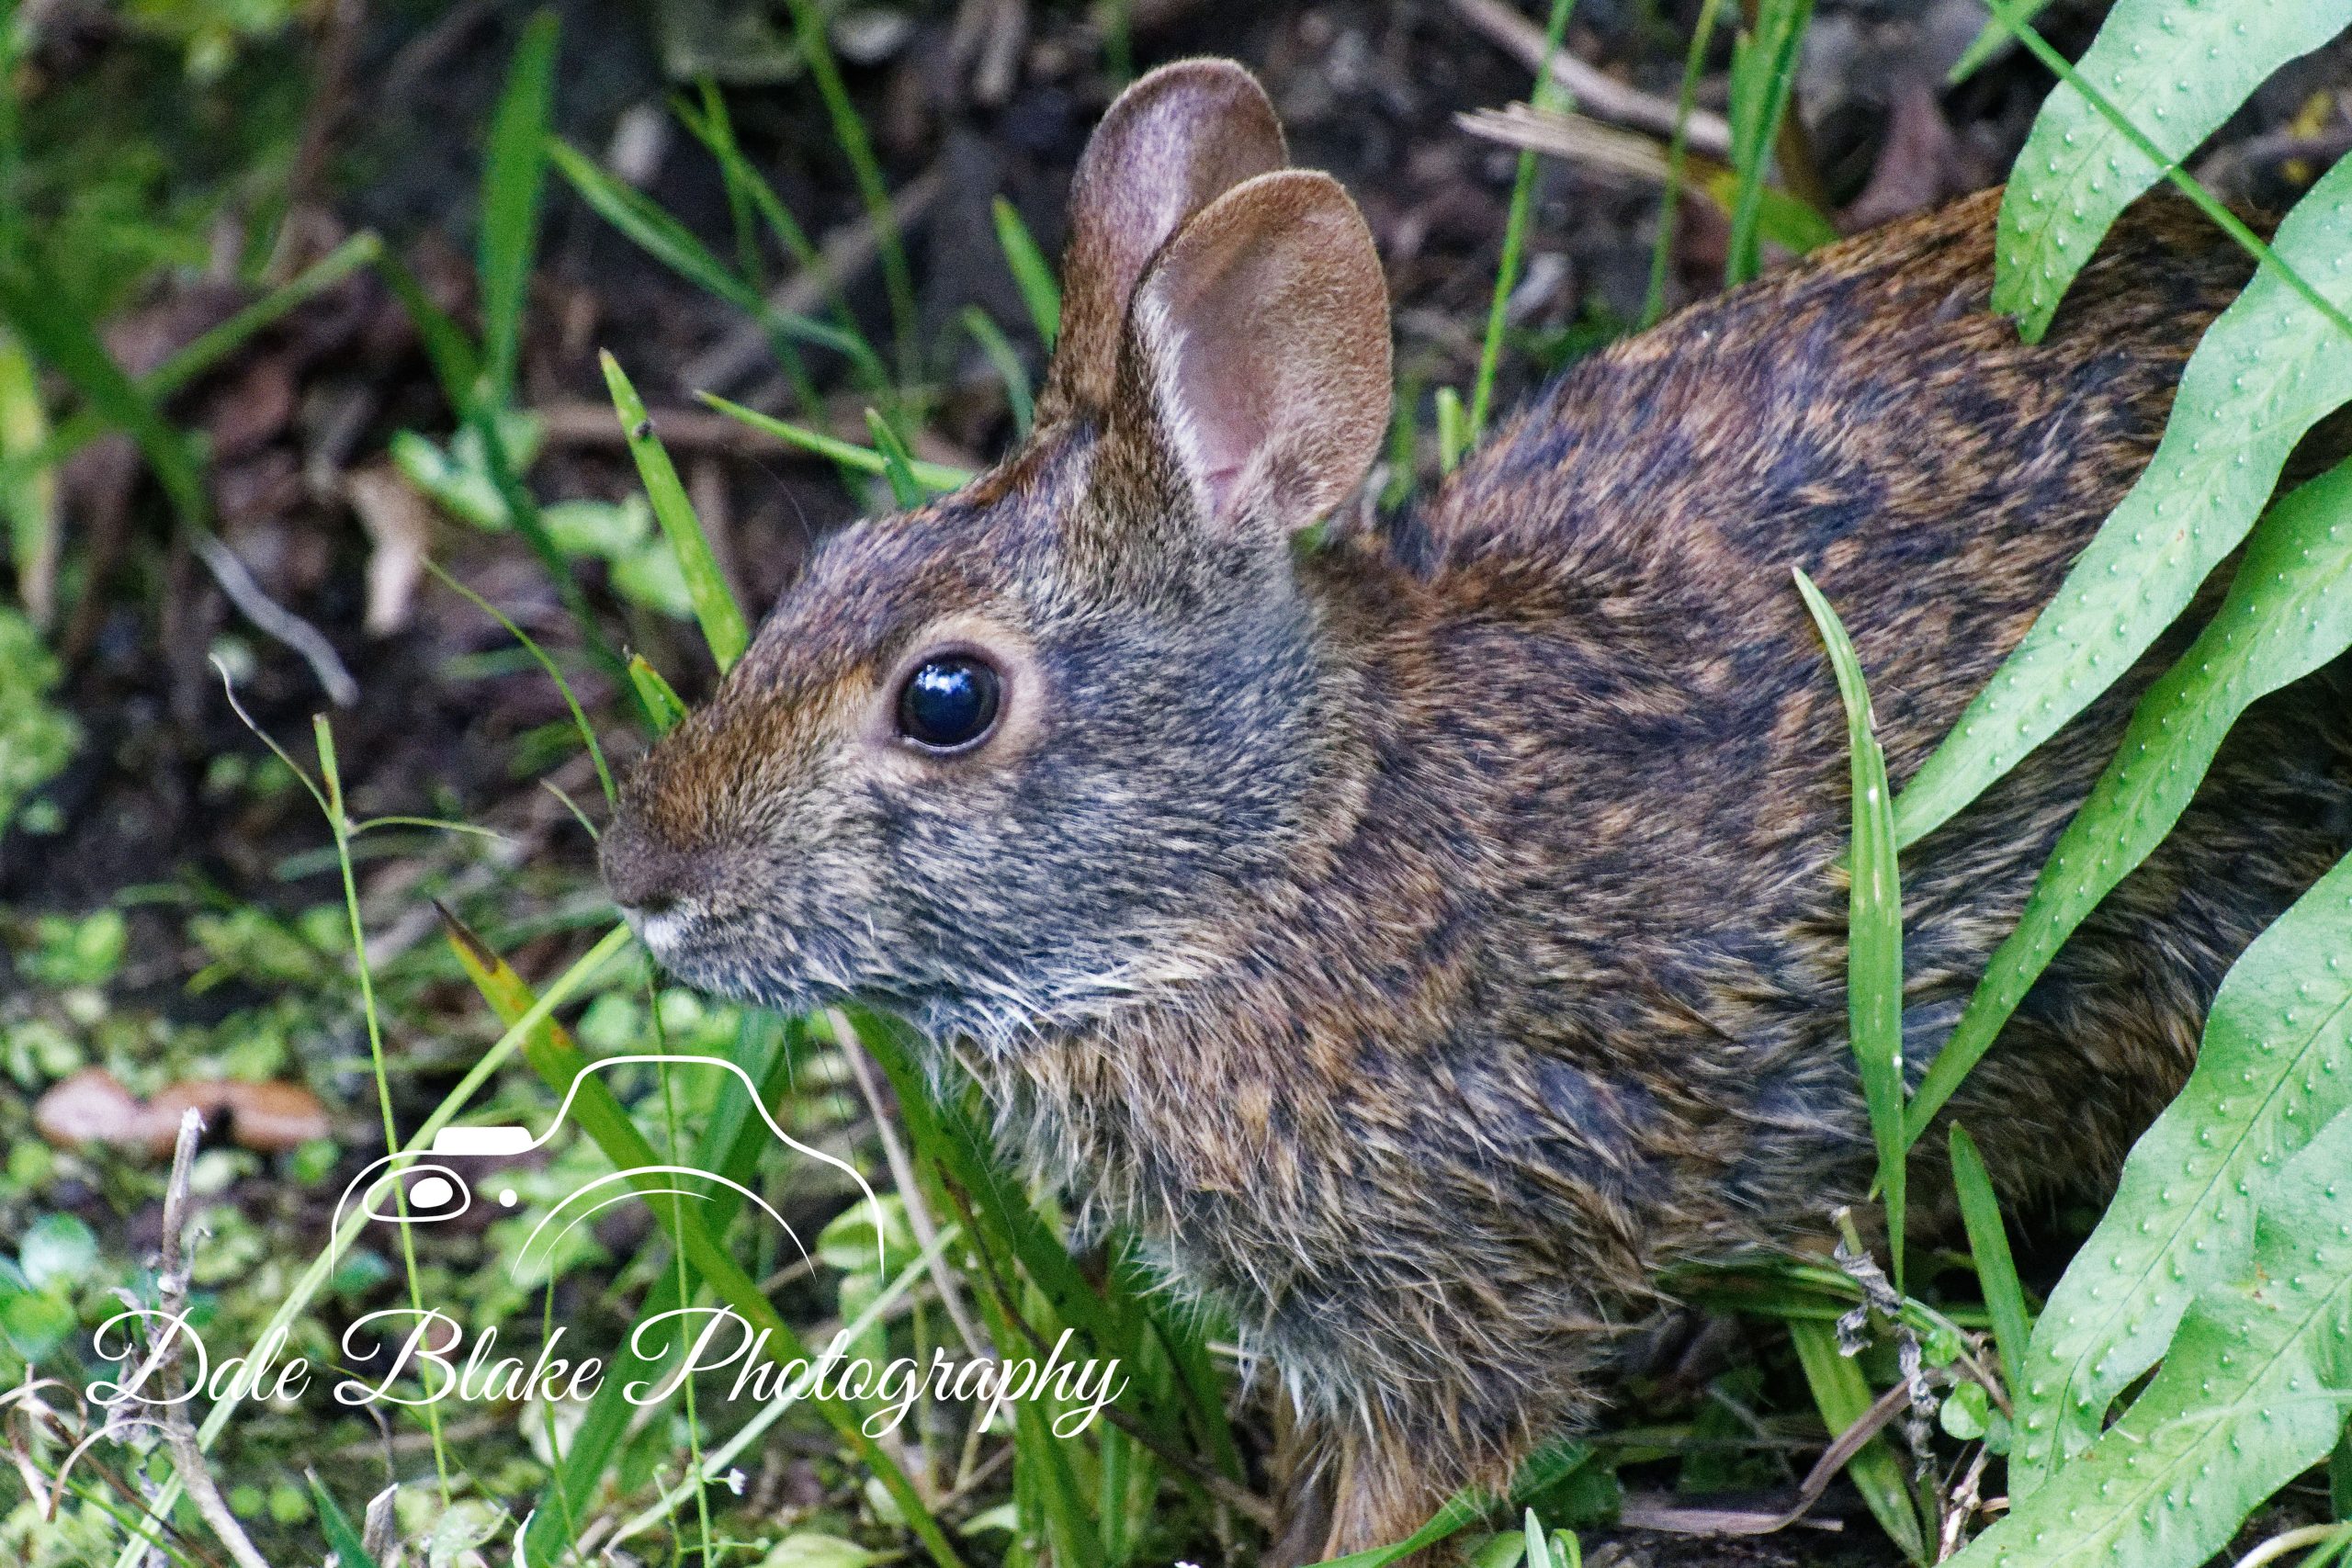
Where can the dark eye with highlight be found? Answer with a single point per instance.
(949, 703)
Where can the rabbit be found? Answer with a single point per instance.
(1424, 932)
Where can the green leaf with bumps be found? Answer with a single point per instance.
(2288, 611)
(2275, 1067)
(2269, 368)
(1873, 922)
(2176, 69)
(2252, 1394)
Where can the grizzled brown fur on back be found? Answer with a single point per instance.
(1424, 942)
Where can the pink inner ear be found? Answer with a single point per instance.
(1224, 379)
(1262, 330)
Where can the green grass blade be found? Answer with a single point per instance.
(2274, 1065)
(314, 1279)
(1453, 430)
(898, 280)
(2250, 1395)
(555, 673)
(40, 311)
(1678, 157)
(746, 186)
(2288, 612)
(2266, 370)
(1546, 93)
(1007, 1227)
(208, 349)
(456, 364)
(664, 708)
(564, 1067)
(513, 175)
(1844, 1397)
(1006, 361)
(1874, 924)
(1764, 73)
(27, 485)
(1031, 273)
(2177, 70)
(669, 241)
(731, 1144)
(1988, 1243)
(713, 127)
(897, 465)
(1543, 1469)
(340, 1537)
(1988, 42)
(721, 619)
(935, 477)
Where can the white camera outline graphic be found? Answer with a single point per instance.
(504, 1141)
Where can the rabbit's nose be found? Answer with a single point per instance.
(648, 876)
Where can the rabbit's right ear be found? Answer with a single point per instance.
(1177, 140)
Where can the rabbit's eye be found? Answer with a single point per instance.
(949, 703)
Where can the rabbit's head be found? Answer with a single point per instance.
(1015, 757)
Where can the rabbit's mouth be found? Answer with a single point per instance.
(744, 954)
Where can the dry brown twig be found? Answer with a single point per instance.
(179, 1432)
(1596, 92)
(902, 1173)
(845, 252)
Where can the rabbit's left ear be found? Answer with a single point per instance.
(1180, 138)
(1256, 355)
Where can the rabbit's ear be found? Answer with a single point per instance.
(1174, 141)
(1255, 357)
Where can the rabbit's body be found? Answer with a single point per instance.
(1425, 941)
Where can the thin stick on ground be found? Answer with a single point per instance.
(902, 1172)
(179, 1432)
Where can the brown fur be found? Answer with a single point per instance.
(1425, 941)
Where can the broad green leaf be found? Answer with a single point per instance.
(1873, 922)
(1031, 272)
(2251, 1395)
(721, 619)
(1989, 1244)
(58, 1249)
(512, 173)
(2274, 1065)
(2288, 611)
(2269, 369)
(2175, 69)
(1844, 1396)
